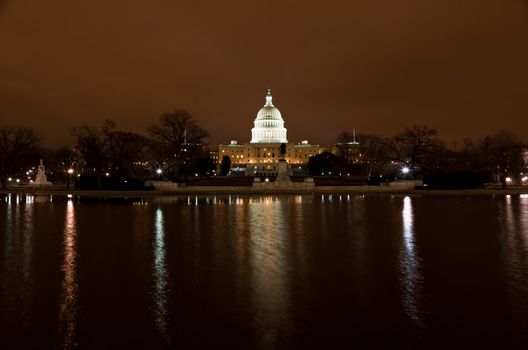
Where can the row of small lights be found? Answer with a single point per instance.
(406, 170)
(10, 179)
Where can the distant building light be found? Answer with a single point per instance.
(405, 170)
(159, 171)
(10, 179)
(508, 179)
(107, 174)
(17, 180)
(70, 171)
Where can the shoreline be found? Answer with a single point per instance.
(322, 190)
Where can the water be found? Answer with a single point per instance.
(270, 272)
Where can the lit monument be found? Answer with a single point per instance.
(269, 125)
(262, 156)
(41, 179)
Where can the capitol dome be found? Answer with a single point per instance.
(269, 125)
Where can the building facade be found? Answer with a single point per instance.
(260, 156)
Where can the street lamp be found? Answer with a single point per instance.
(69, 172)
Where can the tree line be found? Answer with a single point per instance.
(418, 153)
(174, 148)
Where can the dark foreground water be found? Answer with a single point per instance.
(288, 272)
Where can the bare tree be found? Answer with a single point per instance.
(178, 128)
(90, 145)
(124, 149)
(415, 146)
(181, 139)
(110, 150)
(500, 155)
(373, 155)
(18, 146)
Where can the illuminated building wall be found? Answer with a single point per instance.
(263, 152)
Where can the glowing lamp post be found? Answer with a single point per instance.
(69, 172)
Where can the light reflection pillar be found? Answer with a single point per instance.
(69, 303)
(410, 264)
(268, 228)
(160, 275)
(515, 226)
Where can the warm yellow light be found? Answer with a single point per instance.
(70, 171)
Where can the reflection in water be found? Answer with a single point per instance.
(27, 234)
(411, 280)
(10, 220)
(68, 306)
(160, 276)
(273, 272)
(357, 243)
(268, 228)
(16, 272)
(25, 276)
(516, 255)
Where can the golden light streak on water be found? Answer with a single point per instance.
(160, 272)
(516, 248)
(410, 264)
(268, 238)
(69, 300)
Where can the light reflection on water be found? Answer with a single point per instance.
(410, 265)
(16, 269)
(161, 284)
(281, 267)
(68, 308)
(516, 253)
(27, 236)
(268, 235)
(10, 220)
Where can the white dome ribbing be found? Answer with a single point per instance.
(269, 125)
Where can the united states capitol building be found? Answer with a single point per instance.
(261, 155)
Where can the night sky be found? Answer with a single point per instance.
(460, 66)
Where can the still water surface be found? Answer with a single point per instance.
(264, 272)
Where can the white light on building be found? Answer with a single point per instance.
(269, 125)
